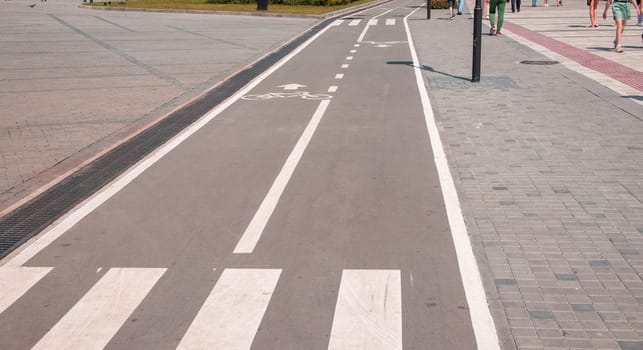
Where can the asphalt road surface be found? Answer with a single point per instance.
(305, 213)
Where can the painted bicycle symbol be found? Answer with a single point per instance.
(302, 94)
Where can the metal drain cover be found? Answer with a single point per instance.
(540, 62)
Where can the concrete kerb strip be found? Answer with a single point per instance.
(332, 14)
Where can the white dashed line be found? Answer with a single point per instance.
(344, 66)
(339, 76)
(332, 89)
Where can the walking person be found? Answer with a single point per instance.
(460, 6)
(485, 8)
(621, 13)
(451, 4)
(515, 5)
(499, 7)
(593, 5)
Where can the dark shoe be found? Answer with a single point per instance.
(459, 13)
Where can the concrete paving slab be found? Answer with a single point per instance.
(73, 81)
(547, 163)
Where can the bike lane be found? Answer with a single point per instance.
(361, 221)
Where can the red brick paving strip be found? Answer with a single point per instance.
(614, 70)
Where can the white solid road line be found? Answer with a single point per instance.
(368, 314)
(94, 320)
(481, 320)
(390, 21)
(254, 230)
(231, 315)
(16, 281)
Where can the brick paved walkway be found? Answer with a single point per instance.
(548, 163)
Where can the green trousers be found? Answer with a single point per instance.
(500, 5)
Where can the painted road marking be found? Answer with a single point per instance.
(368, 314)
(390, 21)
(60, 226)
(349, 58)
(355, 22)
(344, 66)
(337, 22)
(370, 23)
(353, 51)
(16, 281)
(339, 76)
(332, 89)
(231, 315)
(94, 320)
(356, 45)
(481, 320)
(258, 223)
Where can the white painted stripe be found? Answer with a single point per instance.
(332, 89)
(16, 281)
(231, 315)
(368, 314)
(355, 22)
(339, 76)
(483, 325)
(94, 320)
(356, 45)
(60, 226)
(349, 58)
(344, 66)
(390, 21)
(373, 22)
(353, 51)
(363, 33)
(382, 14)
(254, 230)
(337, 22)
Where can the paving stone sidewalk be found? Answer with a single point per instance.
(548, 165)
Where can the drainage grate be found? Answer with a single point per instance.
(24, 222)
(539, 62)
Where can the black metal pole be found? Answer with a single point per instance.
(477, 41)
(428, 9)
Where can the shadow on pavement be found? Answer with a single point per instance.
(427, 68)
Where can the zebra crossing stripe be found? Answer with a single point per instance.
(94, 320)
(390, 21)
(368, 314)
(372, 22)
(337, 22)
(16, 281)
(231, 315)
(355, 22)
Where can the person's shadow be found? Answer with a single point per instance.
(427, 68)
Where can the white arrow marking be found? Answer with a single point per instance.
(294, 86)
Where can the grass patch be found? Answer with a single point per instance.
(203, 5)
